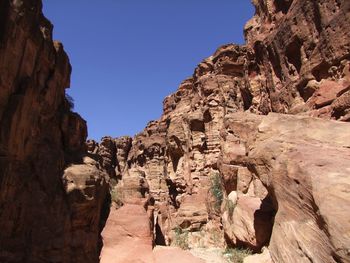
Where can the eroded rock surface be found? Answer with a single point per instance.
(220, 177)
(213, 171)
(304, 165)
(51, 192)
(127, 236)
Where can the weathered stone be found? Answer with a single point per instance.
(51, 194)
(127, 236)
(264, 257)
(250, 224)
(296, 61)
(303, 162)
(203, 167)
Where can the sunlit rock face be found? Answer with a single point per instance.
(51, 193)
(237, 159)
(301, 190)
(217, 172)
(303, 52)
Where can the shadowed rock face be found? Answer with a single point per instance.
(213, 174)
(51, 193)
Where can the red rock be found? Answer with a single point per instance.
(52, 197)
(295, 60)
(250, 224)
(327, 92)
(303, 164)
(127, 236)
(51, 194)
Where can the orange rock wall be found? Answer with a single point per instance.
(296, 60)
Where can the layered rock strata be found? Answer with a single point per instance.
(303, 166)
(213, 171)
(221, 178)
(51, 192)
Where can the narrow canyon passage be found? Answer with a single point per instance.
(249, 162)
(127, 237)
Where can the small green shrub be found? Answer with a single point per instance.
(181, 238)
(116, 198)
(113, 182)
(236, 255)
(216, 190)
(230, 207)
(217, 236)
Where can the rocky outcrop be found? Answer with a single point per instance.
(295, 159)
(128, 237)
(113, 154)
(302, 48)
(223, 178)
(51, 192)
(213, 171)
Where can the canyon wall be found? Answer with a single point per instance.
(237, 159)
(215, 172)
(51, 192)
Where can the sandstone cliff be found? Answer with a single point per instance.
(237, 159)
(214, 177)
(51, 192)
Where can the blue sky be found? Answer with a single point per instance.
(128, 55)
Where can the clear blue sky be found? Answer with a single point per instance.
(127, 55)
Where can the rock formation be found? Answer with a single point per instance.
(219, 173)
(302, 164)
(51, 192)
(237, 159)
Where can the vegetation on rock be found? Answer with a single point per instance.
(116, 198)
(230, 206)
(181, 238)
(216, 191)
